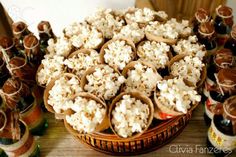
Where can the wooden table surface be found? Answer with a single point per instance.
(190, 143)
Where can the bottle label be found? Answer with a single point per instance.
(33, 117)
(210, 105)
(220, 140)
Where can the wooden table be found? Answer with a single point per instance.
(190, 143)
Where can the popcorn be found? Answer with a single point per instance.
(62, 46)
(162, 30)
(144, 15)
(130, 116)
(142, 78)
(72, 29)
(182, 27)
(106, 21)
(190, 47)
(131, 31)
(53, 66)
(88, 114)
(104, 82)
(64, 88)
(118, 54)
(188, 68)
(176, 95)
(83, 35)
(80, 62)
(170, 30)
(155, 53)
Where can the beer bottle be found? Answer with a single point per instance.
(223, 23)
(222, 132)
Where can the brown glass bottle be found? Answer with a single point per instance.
(20, 30)
(201, 15)
(224, 86)
(231, 42)
(32, 49)
(222, 132)
(4, 74)
(45, 32)
(8, 45)
(223, 23)
(206, 35)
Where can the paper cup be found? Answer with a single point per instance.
(91, 70)
(140, 51)
(162, 112)
(138, 96)
(203, 71)
(46, 95)
(100, 127)
(131, 65)
(153, 37)
(127, 41)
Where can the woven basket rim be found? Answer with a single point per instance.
(147, 133)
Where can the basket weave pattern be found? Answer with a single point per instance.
(152, 139)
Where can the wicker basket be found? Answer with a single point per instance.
(158, 134)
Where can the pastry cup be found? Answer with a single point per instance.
(91, 70)
(100, 127)
(127, 41)
(46, 95)
(140, 51)
(203, 71)
(138, 96)
(85, 51)
(151, 36)
(131, 65)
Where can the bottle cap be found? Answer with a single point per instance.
(202, 15)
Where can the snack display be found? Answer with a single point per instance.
(108, 77)
(124, 82)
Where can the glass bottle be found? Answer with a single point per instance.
(4, 74)
(223, 23)
(224, 87)
(7, 45)
(206, 36)
(231, 42)
(20, 30)
(32, 50)
(15, 138)
(45, 33)
(32, 114)
(222, 132)
(201, 15)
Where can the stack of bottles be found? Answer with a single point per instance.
(218, 35)
(21, 114)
